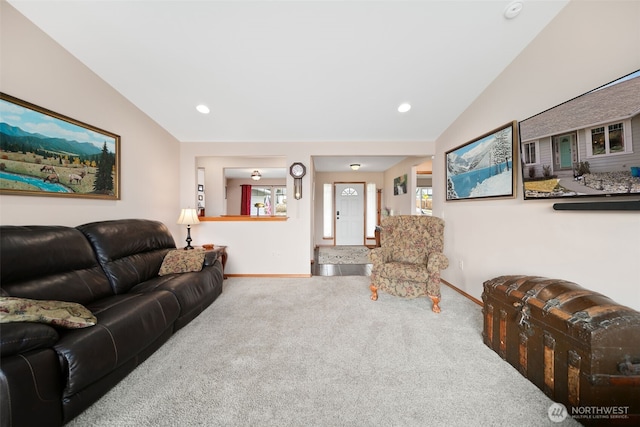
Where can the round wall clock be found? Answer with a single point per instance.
(297, 171)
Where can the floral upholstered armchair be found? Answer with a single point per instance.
(409, 259)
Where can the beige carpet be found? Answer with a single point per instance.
(318, 352)
(343, 255)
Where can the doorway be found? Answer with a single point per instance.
(565, 151)
(349, 213)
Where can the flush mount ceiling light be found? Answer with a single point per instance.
(256, 176)
(403, 108)
(513, 9)
(355, 166)
(203, 109)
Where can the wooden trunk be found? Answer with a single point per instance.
(580, 347)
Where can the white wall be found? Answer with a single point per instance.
(588, 44)
(36, 69)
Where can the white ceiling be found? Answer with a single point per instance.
(295, 71)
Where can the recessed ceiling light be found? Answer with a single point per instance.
(513, 9)
(203, 109)
(403, 108)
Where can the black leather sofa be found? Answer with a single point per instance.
(48, 375)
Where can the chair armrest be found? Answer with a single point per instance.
(437, 261)
(380, 255)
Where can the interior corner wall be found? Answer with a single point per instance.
(587, 45)
(34, 68)
(402, 204)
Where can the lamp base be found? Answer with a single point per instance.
(189, 240)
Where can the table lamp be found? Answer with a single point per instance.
(188, 217)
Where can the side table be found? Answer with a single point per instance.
(221, 251)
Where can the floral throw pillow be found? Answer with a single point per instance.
(182, 261)
(57, 313)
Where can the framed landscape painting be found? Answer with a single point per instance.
(483, 168)
(43, 153)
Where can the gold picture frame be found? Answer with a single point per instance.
(484, 167)
(44, 153)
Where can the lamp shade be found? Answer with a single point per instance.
(188, 217)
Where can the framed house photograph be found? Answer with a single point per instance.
(583, 147)
(43, 153)
(483, 168)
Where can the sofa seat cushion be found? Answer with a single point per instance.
(127, 324)
(57, 313)
(190, 289)
(404, 271)
(182, 261)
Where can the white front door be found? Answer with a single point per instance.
(349, 214)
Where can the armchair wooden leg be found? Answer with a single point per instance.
(436, 302)
(374, 292)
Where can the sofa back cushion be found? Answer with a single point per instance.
(129, 250)
(50, 263)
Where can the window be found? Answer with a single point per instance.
(349, 192)
(530, 153)
(616, 138)
(273, 199)
(598, 141)
(327, 211)
(372, 199)
(608, 139)
(424, 199)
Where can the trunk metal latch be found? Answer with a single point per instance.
(523, 315)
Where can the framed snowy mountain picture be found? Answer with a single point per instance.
(483, 168)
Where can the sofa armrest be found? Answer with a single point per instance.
(437, 261)
(210, 258)
(31, 387)
(21, 337)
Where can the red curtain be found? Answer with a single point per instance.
(245, 203)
